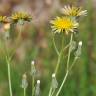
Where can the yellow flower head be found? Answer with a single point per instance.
(20, 16)
(73, 11)
(64, 24)
(3, 19)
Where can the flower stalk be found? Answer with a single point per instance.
(9, 76)
(68, 61)
(54, 85)
(24, 91)
(33, 73)
(33, 86)
(24, 84)
(69, 52)
(62, 83)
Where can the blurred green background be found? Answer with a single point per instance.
(36, 44)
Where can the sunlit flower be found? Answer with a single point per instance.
(73, 11)
(3, 19)
(64, 24)
(20, 16)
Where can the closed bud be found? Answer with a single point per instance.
(37, 89)
(78, 51)
(72, 45)
(24, 81)
(80, 43)
(54, 82)
(33, 69)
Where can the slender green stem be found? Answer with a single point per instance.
(50, 91)
(9, 77)
(62, 43)
(66, 47)
(65, 77)
(53, 92)
(74, 61)
(55, 46)
(59, 56)
(62, 83)
(69, 52)
(58, 63)
(32, 86)
(17, 42)
(19, 35)
(24, 91)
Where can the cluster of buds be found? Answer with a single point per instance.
(32, 73)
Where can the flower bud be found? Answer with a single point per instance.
(33, 69)
(37, 90)
(80, 43)
(78, 51)
(54, 82)
(72, 45)
(24, 81)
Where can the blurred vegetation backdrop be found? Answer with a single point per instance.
(36, 44)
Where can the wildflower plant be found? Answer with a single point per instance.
(7, 22)
(67, 24)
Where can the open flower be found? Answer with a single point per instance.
(16, 17)
(64, 24)
(73, 11)
(3, 19)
